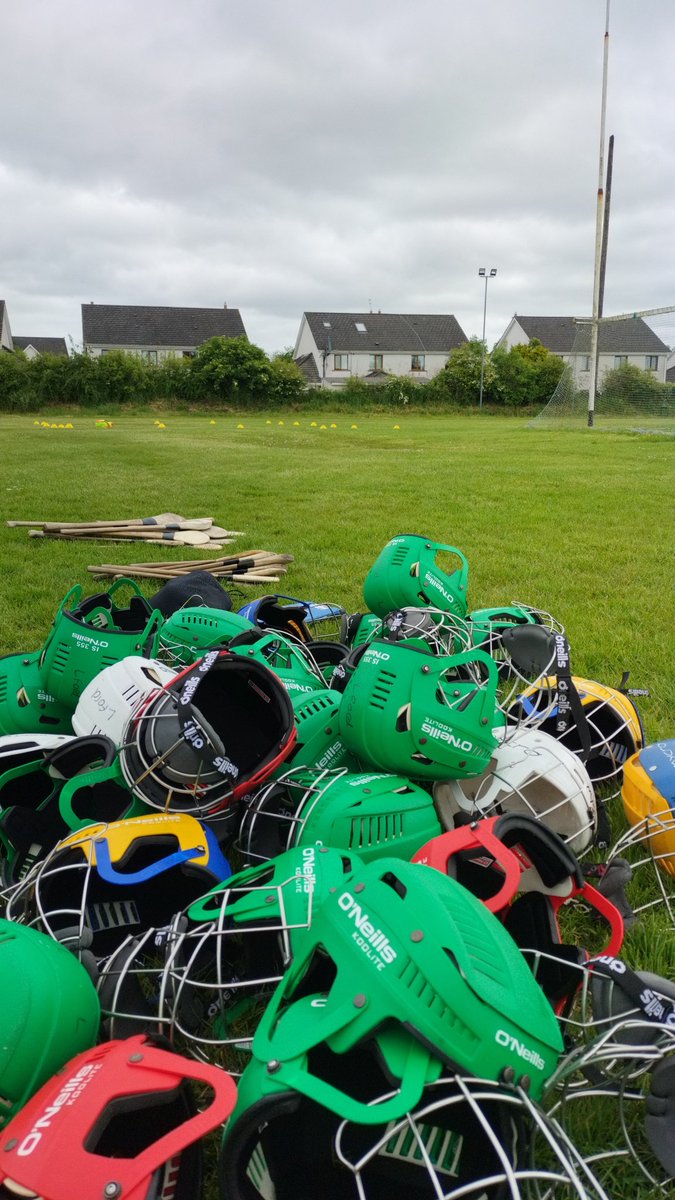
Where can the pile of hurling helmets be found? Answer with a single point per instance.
(330, 905)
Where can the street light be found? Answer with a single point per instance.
(484, 274)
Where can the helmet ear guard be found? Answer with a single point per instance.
(26, 705)
(130, 1117)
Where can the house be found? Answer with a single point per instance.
(155, 333)
(6, 342)
(333, 347)
(33, 347)
(628, 341)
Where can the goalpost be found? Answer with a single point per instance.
(632, 386)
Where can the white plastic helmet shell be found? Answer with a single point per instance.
(529, 772)
(108, 703)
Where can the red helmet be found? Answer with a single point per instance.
(120, 1120)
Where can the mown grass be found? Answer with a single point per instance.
(579, 523)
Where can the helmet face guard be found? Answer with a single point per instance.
(464, 1138)
(94, 634)
(221, 728)
(373, 816)
(532, 773)
(48, 1012)
(423, 717)
(105, 882)
(228, 951)
(605, 730)
(407, 574)
(429, 629)
(129, 1119)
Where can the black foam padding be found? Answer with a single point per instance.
(189, 591)
(531, 648)
(531, 922)
(660, 1118)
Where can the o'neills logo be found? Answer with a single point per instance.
(304, 875)
(69, 1093)
(431, 581)
(503, 1038)
(442, 734)
(89, 642)
(368, 937)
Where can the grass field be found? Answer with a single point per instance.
(579, 523)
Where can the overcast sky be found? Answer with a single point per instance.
(283, 156)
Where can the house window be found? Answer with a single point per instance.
(188, 354)
(417, 362)
(150, 356)
(652, 362)
(585, 362)
(376, 362)
(620, 360)
(360, 327)
(340, 362)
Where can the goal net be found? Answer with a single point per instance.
(635, 376)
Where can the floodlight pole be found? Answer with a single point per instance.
(484, 275)
(599, 222)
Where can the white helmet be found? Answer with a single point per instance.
(108, 703)
(529, 772)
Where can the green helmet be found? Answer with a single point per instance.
(371, 815)
(399, 977)
(419, 715)
(189, 633)
(49, 1011)
(93, 634)
(288, 658)
(26, 704)
(406, 575)
(319, 744)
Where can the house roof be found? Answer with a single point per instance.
(307, 365)
(411, 333)
(143, 325)
(43, 345)
(565, 335)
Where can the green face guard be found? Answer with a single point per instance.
(94, 634)
(407, 575)
(401, 947)
(26, 704)
(190, 633)
(48, 1014)
(421, 716)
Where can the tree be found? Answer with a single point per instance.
(629, 386)
(526, 375)
(231, 369)
(459, 380)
